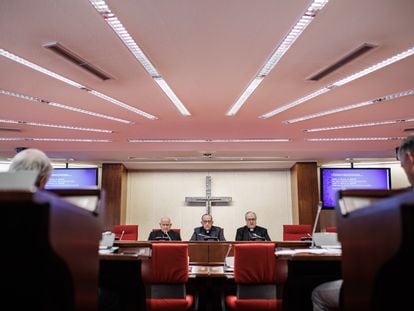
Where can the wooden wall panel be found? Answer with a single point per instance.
(114, 182)
(305, 196)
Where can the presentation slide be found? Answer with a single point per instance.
(73, 179)
(354, 178)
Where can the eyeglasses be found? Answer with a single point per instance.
(251, 219)
(207, 221)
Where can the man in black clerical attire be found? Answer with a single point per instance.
(252, 232)
(207, 231)
(165, 233)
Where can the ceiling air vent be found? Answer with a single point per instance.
(9, 129)
(75, 59)
(364, 48)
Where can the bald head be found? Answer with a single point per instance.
(165, 224)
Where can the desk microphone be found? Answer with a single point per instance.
(169, 238)
(161, 238)
(206, 237)
(258, 236)
(122, 235)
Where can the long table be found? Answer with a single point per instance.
(301, 272)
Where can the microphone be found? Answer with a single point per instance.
(169, 238)
(161, 238)
(208, 237)
(122, 235)
(258, 236)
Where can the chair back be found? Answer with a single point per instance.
(330, 229)
(256, 278)
(126, 232)
(296, 232)
(165, 276)
(254, 263)
(168, 264)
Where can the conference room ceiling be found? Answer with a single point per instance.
(208, 52)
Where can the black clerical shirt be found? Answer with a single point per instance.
(158, 235)
(254, 234)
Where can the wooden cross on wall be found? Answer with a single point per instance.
(208, 200)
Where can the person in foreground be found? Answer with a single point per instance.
(165, 233)
(327, 296)
(251, 232)
(33, 160)
(207, 231)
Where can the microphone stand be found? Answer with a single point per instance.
(122, 235)
(318, 212)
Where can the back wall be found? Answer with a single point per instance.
(151, 195)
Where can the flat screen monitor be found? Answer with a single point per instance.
(73, 178)
(334, 179)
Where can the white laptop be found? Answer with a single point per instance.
(20, 180)
(107, 240)
(326, 240)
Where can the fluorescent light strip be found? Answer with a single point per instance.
(67, 127)
(259, 140)
(353, 106)
(76, 140)
(104, 10)
(43, 101)
(341, 127)
(288, 41)
(341, 82)
(123, 105)
(355, 139)
(52, 74)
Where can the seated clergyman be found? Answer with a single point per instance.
(251, 232)
(207, 231)
(165, 233)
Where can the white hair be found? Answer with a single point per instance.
(32, 160)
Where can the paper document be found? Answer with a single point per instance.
(327, 251)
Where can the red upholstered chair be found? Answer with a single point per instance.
(296, 232)
(330, 229)
(126, 232)
(255, 275)
(165, 276)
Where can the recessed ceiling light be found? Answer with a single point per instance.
(354, 139)
(258, 140)
(66, 127)
(104, 10)
(341, 82)
(348, 126)
(52, 74)
(287, 42)
(76, 140)
(62, 106)
(353, 106)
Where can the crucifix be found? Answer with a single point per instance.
(208, 200)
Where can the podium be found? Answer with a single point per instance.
(50, 257)
(377, 242)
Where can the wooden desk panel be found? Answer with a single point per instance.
(304, 272)
(208, 252)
